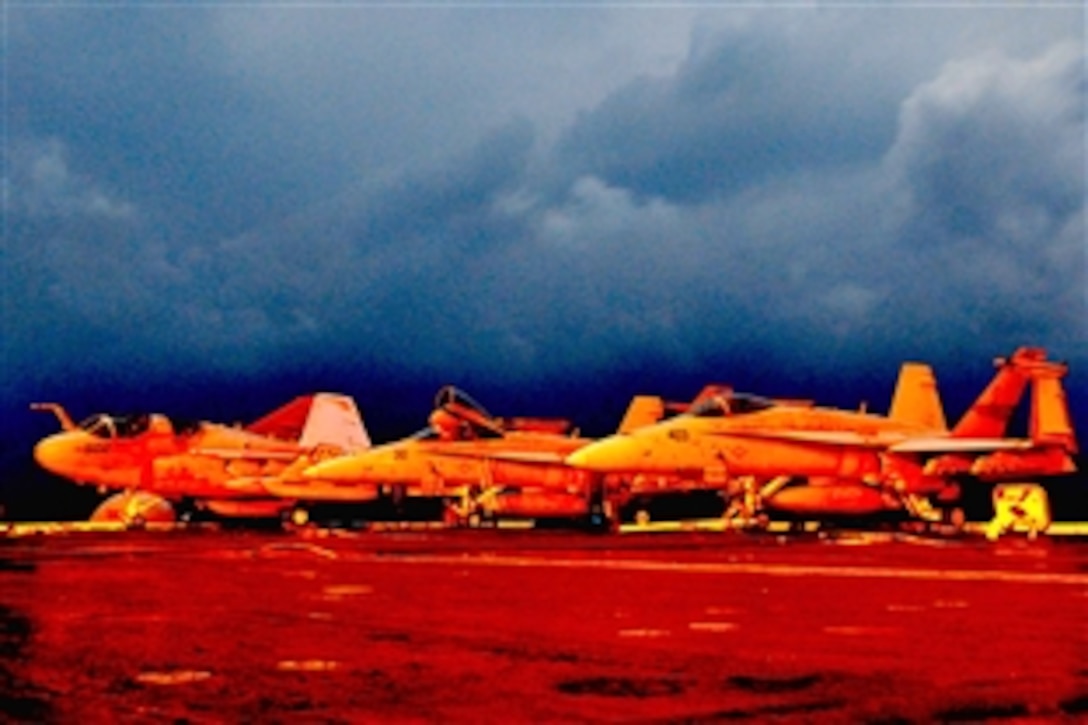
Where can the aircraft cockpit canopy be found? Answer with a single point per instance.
(112, 427)
(425, 434)
(103, 425)
(731, 404)
(458, 417)
(452, 397)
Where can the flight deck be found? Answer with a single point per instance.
(201, 624)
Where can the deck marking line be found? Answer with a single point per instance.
(783, 570)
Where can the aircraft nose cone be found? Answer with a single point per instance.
(610, 455)
(55, 453)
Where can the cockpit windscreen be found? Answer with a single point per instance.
(425, 434)
(719, 406)
(116, 426)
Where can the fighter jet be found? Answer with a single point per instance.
(161, 466)
(477, 465)
(480, 467)
(820, 462)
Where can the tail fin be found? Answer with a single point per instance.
(1050, 423)
(916, 400)
(334, 420)
(989, 416)
(1051, 431)
(284, 423)
(314, 419)
(644, 410)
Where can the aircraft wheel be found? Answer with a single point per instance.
(761, 522)
(598, 523)
(299, 516)
(955, 518)
(916, 527)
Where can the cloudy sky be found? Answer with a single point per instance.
(210, 208)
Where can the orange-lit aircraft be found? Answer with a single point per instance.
(480, 466)
(820, 462)
(159, 464)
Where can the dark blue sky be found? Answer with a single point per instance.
(209, 210)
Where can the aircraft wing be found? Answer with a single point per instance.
(893, 442)
(544, 457)
(961, 445)
(820, 437)
(253, 487)
(324, 491)
(538, 457)
(254, 454)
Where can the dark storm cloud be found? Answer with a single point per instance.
(748, 104)
(789, 197)
(380, 271)
(830, 240)
(136, 97)
(990, 165)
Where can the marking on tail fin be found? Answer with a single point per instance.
(334, 420)
(916, 400)
(286, 422)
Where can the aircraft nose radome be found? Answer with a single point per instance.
(54, 453)
(611, 455)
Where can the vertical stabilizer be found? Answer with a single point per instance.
(284, 423)
(334, 420)
(1050, 422)
(644, 410)
(989, 416)
(916, 400)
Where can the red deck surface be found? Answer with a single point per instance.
(489, 626)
